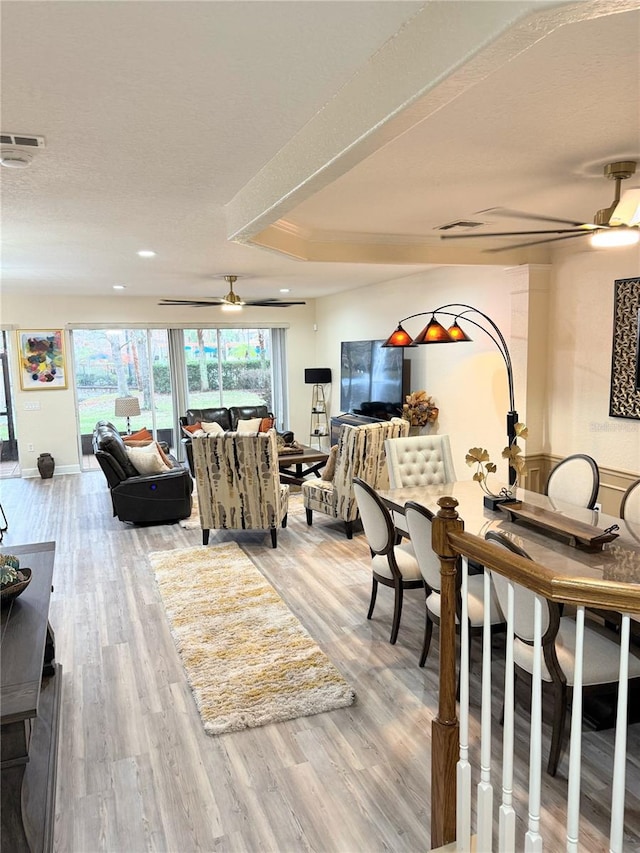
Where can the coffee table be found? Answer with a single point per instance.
(307, 461)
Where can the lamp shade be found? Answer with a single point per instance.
(433, 333)
(317, 375)
(127, 407)
(399, 338)
(457, 334)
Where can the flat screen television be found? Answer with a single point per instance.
(371, 373)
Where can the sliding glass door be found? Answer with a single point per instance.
(228, 367)
(172, 370)
(112, 363)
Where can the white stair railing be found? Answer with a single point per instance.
(504, 817)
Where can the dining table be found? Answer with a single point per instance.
(616, 560)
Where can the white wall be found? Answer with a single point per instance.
(581, 333)
(53, 428)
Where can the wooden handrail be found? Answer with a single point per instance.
(585, 592)
(449, 541)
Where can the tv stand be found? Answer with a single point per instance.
(352, 419)
(31, 682)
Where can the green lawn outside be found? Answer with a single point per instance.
(101, 408)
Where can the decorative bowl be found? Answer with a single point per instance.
(13, 590)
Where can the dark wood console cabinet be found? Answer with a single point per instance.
(30, 692)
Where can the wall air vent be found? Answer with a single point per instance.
(462, 224)
(23, 139)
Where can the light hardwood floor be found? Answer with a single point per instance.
(136, 771)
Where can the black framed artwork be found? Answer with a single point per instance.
(624, 401)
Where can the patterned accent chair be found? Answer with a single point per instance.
(360, 454)
(238, 482)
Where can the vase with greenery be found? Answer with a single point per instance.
(479, 457)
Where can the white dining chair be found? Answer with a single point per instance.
(392, 564)
(601, 657)
(630, 504)
(418, 520)
(418, 460)
(575, 480)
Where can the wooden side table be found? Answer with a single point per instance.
(30, 692)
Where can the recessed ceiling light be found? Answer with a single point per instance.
(146, 253)
(285, 290)
(119, 287)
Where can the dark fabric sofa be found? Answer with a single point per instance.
(138, 498)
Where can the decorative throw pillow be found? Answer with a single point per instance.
(136, 443)
(141, 435)
(266, 424)
(212, 428)
(330, 468)
(250, 425)
(164, 457)
(190, 429)
(147, 460)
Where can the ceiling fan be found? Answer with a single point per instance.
(616, 225)
(232, 302)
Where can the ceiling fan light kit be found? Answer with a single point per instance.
(616, 235)
(616, 225)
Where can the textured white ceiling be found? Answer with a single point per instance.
(159, 115)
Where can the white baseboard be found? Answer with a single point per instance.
(26, 473)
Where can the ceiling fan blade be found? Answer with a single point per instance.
(548, 240)
(521, 214)
(196, 303)
(272, 303)
(516, 233)
(627, 210)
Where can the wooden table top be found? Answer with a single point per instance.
(307, 454)
(618, 560)
(23, 634)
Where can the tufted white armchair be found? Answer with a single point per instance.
(360, 454)
(238, 481)
(418, 460)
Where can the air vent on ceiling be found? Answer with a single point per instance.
(460, 223)
(23, 139)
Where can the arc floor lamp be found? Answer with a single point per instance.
(435, 333)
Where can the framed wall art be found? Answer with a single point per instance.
(624, 401)
(42, 361)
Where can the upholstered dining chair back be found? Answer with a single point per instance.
(630, 504)
(238, 483)
(393, 565)
(575, 480)
(361, 454)
(418, 523)
(419, 460)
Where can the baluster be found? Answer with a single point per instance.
(485, 789)
(575, 742)
(533, 839)
(620, 750)
(507, 815)
(463, 811)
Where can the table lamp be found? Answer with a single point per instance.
(127, 407)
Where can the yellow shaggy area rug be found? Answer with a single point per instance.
(248, 659)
